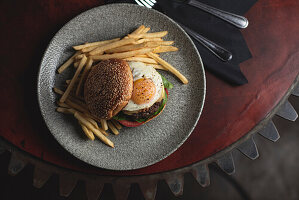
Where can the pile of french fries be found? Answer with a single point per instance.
(138, 46)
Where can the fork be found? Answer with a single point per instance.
(234, 19)
(217, 50)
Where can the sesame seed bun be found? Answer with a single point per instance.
(108, 88)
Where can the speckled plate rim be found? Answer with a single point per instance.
(203, 78)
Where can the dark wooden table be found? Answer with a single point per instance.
(230, 113)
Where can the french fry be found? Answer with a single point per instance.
(156, 54)
(84, 74)
(79, 47)
(132, 47)
(167, 43)
(76, 106)
(156, 43)
(94, 123)
(162, 49)
(116, 124)
(88, 114)
(142, 56)
(158, 67)
(169, 67)
(63, 110)
(78, 101)
(141, 59)
(58, 91)
(66, 110)
(145, 30)
(104, 124)
(67, 63)
(145, 56)
(112, 128)
(100, 129)
(98, 133)
(122, 55)
(75, 100)
(101, 49)
(138, 30)
(125, 48)
(72, 111)
(71, 85)
(69, 81)
(148, 40)
(148, 35)
(87, 132)
(76, 64)
(88, 49)
(64, 105)
(72, 105)
(89, 117)
(79, 57)
(103, 131)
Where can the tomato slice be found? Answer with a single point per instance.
(129, 123)
(134, 123)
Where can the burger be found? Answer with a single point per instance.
(130, 92)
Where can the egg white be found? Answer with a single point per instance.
(140, 70)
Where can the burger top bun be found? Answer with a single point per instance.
(108, 88)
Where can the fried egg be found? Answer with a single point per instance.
(147, 87)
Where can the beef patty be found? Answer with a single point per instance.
(147, 112)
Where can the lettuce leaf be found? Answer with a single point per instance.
(166, 83)
(120, 116)
(162, 105)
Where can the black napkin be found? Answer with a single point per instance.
(215, 29)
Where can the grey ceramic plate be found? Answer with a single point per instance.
(134, 147)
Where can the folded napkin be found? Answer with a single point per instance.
(216, 30)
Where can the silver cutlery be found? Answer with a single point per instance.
(217, 50)
(234, 19)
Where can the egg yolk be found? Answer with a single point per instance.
(143, 91)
